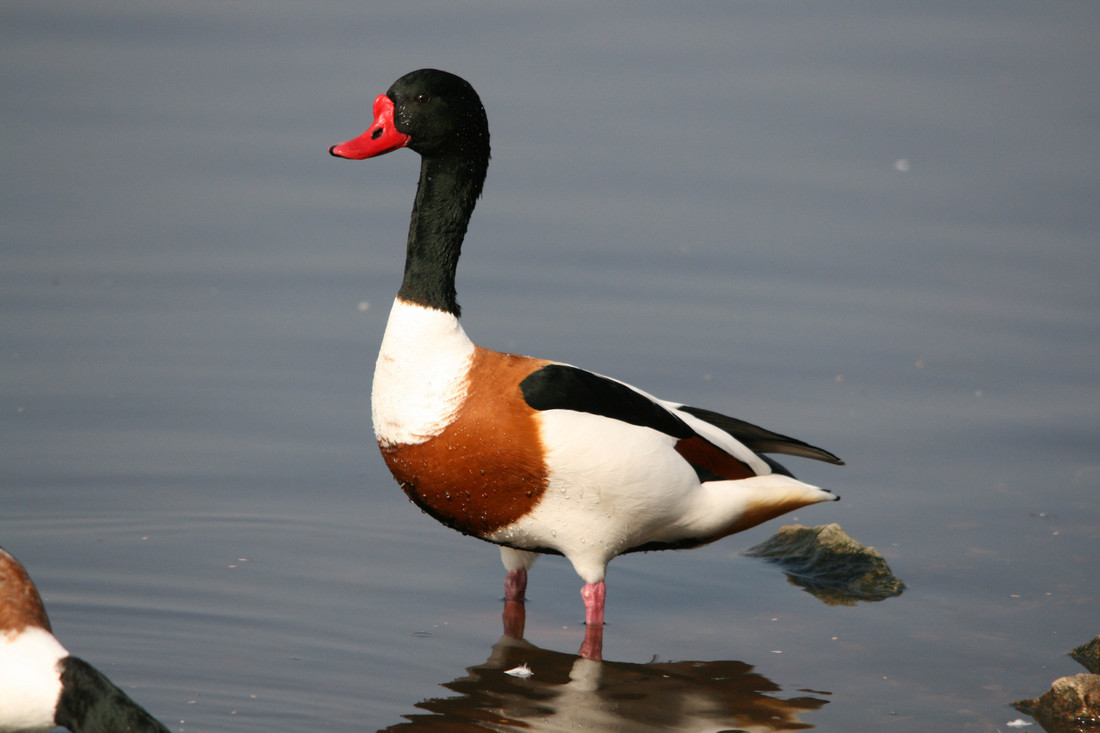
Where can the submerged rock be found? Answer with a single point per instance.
(1071, 705)
(1088, 655)
(828, 563)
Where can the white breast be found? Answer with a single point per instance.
(30, 681)
(420, 379)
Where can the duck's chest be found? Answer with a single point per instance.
(422, 374)
(453, 427)
(30, 681)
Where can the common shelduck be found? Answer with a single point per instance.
(534, 455)
(42, 686)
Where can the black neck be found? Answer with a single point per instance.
(90, 703)
(445, 199)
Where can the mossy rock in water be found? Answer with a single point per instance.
(1071, 705)
(828, 563)
(1088, 655)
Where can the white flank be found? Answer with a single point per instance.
(420, 377)
(30, 681)
(614, 486)
(611, 487)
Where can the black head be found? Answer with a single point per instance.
(440, 116)
(440, 112)
(435, 113)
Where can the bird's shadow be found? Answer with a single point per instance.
(523, 687)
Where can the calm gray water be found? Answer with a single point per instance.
(873, 226)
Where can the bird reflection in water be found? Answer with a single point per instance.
(573, 692)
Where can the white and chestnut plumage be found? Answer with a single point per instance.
(534, 455)
(42, 687)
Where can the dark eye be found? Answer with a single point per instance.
(423, 98)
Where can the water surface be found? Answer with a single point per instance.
(872, 227)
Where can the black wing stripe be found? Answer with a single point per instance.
(563, 387)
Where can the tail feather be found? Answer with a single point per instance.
(750, 502)
(760, 439)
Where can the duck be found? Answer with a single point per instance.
(535, 455)
(42, 686)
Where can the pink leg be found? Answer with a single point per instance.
(593, 595)
(514, 617)
(515, 585)
(592, 648)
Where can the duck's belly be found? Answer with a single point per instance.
(611, 487)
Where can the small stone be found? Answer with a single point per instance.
(826, 562)
(1088, 655)
(1071, 705)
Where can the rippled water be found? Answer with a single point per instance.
(873, 227)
